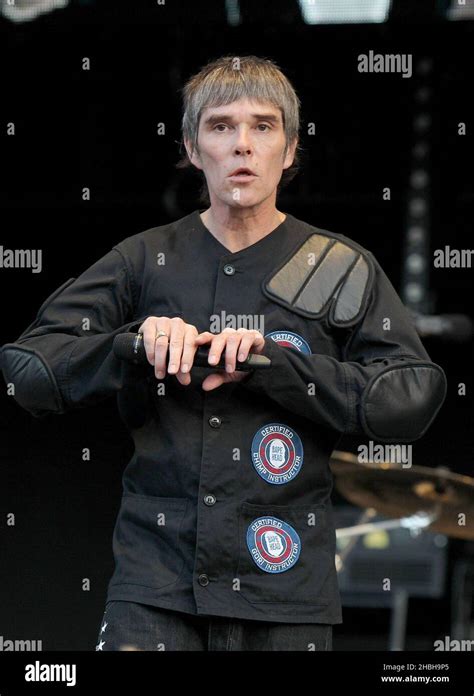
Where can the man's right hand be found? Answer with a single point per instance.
(181, 341)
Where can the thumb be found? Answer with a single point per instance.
(214, 380)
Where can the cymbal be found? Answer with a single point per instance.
(343, 463)
(397, 492)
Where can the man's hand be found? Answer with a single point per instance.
(182, 348)
(184, 340)
(237, 344)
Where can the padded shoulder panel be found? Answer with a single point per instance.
(324, 276)
(400, 402)
(36, 389)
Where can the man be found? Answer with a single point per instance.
(225, 538)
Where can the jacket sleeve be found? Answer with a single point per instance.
(385, 386)
(64, 359)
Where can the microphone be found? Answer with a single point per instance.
(129, 347)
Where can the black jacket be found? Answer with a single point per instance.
(226, 504)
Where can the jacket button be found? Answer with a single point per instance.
(210, 499)
(229, 270)
(214, 422)
(203, 580)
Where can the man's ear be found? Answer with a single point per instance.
(194, 157)
(290, 154)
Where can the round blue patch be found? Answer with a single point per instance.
(273, 544)
(277, 453)
(289, 339)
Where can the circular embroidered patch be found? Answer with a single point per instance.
(273, 544)
(277, 453)
(289, 339)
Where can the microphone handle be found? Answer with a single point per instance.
(130, 347)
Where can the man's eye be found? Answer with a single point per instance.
(223, 125)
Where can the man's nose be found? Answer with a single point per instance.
(243, 143)
(243, 150)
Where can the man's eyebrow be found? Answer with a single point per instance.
(212, 120)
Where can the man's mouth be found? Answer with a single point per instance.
(242, 171)
(242, 174)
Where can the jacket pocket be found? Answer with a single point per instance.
(146, 541)
(286, 554)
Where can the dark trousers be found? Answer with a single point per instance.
(133, 626)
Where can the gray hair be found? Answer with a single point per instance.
(227, 79)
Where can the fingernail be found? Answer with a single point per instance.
(228, 367)
(160, 374)
(241, 356)
(212, 357)
(172, 367)
(185, 367)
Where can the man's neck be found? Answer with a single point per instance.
(236, 231)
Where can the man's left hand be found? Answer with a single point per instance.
(237, 343)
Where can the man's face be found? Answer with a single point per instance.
(244, 134)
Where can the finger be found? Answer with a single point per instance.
(218, 344)
(183, 377)
(176, 344)
(213, 381)
(161, 346)
(204, 337)
(148, 331)
(248, 341)
(245, 344)
(215, 350)
(232, 345)
(189, 348)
